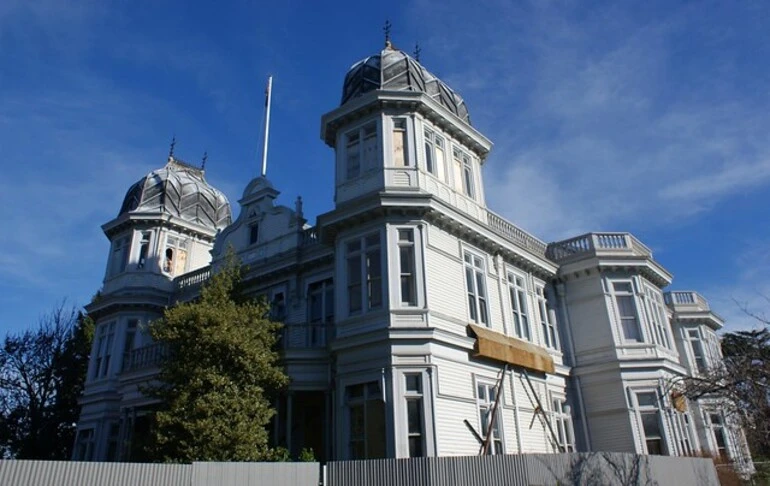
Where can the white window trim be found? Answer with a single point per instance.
(616, 310)
(402, 417)
(546, 318)
(527, 312)
(489, 382)
(563, 418)
(384, 281)
(343, 144)
(639, 410)
(484, 273)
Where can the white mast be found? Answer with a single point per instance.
(268, 94)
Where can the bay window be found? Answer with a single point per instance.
(364, 273)
(626, 306)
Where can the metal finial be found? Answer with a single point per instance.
(171, 149)
(203, 162)
(386, 29)
(417, 52)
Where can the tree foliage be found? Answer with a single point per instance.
(42, 372)
(219, 376)
(742, 384)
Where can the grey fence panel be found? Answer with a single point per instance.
(586, 469)
(255, 473)
(63, 473)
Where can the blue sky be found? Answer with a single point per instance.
(648, 117)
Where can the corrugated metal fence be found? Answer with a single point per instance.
(527, 469)
(595, 468)
(61, 473)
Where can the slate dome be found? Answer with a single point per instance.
(394, 70)
(180, 190)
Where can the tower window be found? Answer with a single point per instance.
(407, 266)
(400, 156)
(434, 154)
(463, 172)
(119, 255)
(144, 249)
(175, 256)
(360, 150)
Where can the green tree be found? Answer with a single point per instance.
(42, 372)
(219, 376)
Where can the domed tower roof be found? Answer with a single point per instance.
(180, 190)
(394, 70)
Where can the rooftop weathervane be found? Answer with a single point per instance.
(386, 29)
(171, 149)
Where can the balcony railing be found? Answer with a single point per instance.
(597, 244)
(515, 234)
(305, 336)
(144, 357)
(192, 279)
(686, 298)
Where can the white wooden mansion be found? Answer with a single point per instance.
(404, 304)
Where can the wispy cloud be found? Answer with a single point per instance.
(606, 131)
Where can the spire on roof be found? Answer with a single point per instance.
(386, 29)
(171, 149)
(417, 51)
(205, 158)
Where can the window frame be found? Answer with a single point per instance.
(366, 282)
(547, 325)
(562, 419)
(643, 410)
(119, 255)
(631, 295)
(475, 271)
(400, 129)
(351, 402)
(434, 143)
(692, 341)
(359, 148)
(518, 299)
(176, 244)
(104, 341)
(464, 170)
(486, 404)
(419, 397)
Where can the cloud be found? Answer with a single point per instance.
(599, 121)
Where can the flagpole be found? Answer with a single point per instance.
(268, 94)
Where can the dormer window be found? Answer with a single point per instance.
(253, 233)
(360, 150)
